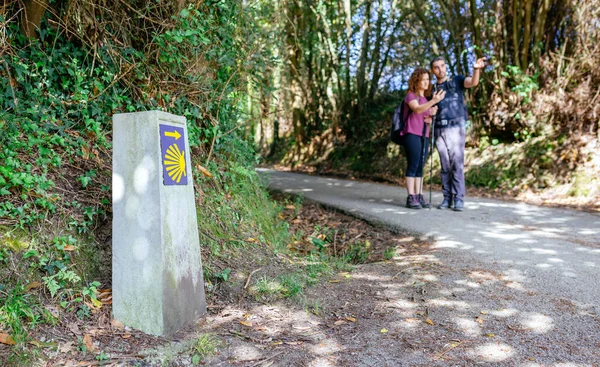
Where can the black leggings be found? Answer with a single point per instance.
(413, 146)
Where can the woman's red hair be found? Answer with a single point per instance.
(415, 78)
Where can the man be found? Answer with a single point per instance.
(450, 130)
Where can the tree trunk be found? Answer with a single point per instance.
(526, 34)
(476, 24)
(516, 11)
(376, 57)
(33, 13)
(363, 60)
(540, 26)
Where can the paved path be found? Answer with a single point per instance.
(553, 252)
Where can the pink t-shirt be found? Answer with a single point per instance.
(415, 121)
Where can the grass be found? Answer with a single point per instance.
(206, 345)
(236, 211)
(314, 306)
(389, 253)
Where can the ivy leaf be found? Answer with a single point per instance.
(184, 13)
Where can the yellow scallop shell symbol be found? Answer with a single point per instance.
(175, 163)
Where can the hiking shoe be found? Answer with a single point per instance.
(446, 204)
(413, 202)
(423, 202)
(458, 205)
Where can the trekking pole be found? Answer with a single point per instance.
(423, 156)
(431, 163)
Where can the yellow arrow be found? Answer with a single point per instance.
(173, 134)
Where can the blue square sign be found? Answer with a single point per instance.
(173, 155)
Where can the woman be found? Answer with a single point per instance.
(416, 133)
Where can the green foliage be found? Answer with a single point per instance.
(235, 208)
(206, 345)
(61, 279)
(521, 83)
(389, 253)
(358, 252)
(18, 314)
(59, 97)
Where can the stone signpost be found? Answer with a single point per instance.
(157, 280)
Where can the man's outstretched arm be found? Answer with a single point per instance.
(472, 81)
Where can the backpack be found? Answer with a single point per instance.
(399, 120)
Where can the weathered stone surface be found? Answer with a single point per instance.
(157, 272)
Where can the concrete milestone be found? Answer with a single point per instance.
(157, 279)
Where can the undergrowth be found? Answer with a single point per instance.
(55, 178)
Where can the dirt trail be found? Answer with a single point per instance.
(414, 310)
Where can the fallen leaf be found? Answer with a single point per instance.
(7, 339)
(66, 347)
(89, 345)
(428, 320)
(246, 323)
(42, 344)
(384, 330)
(251, 240)
(32, 285)
(70, 248)
(350, 319)
(204, 171)
(479, 320)
(105, 296)
(126, 336)
(339, 322)
(116, 324)
(74, 328)
(334, 281)
(96, 303)
(490, 335)
(291, 207)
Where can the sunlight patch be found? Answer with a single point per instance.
(493, 352)
(516, 286)
(426, 277)
(467, 283)
(371, 277)
(325, 347)
(468, 327)
(538, 323)
(514, 275)
(483, 275)
(507, 312)
(404, 239)
(452, 244)
(404, 304)
(322, 362)
(246, 352)
(439, 302)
